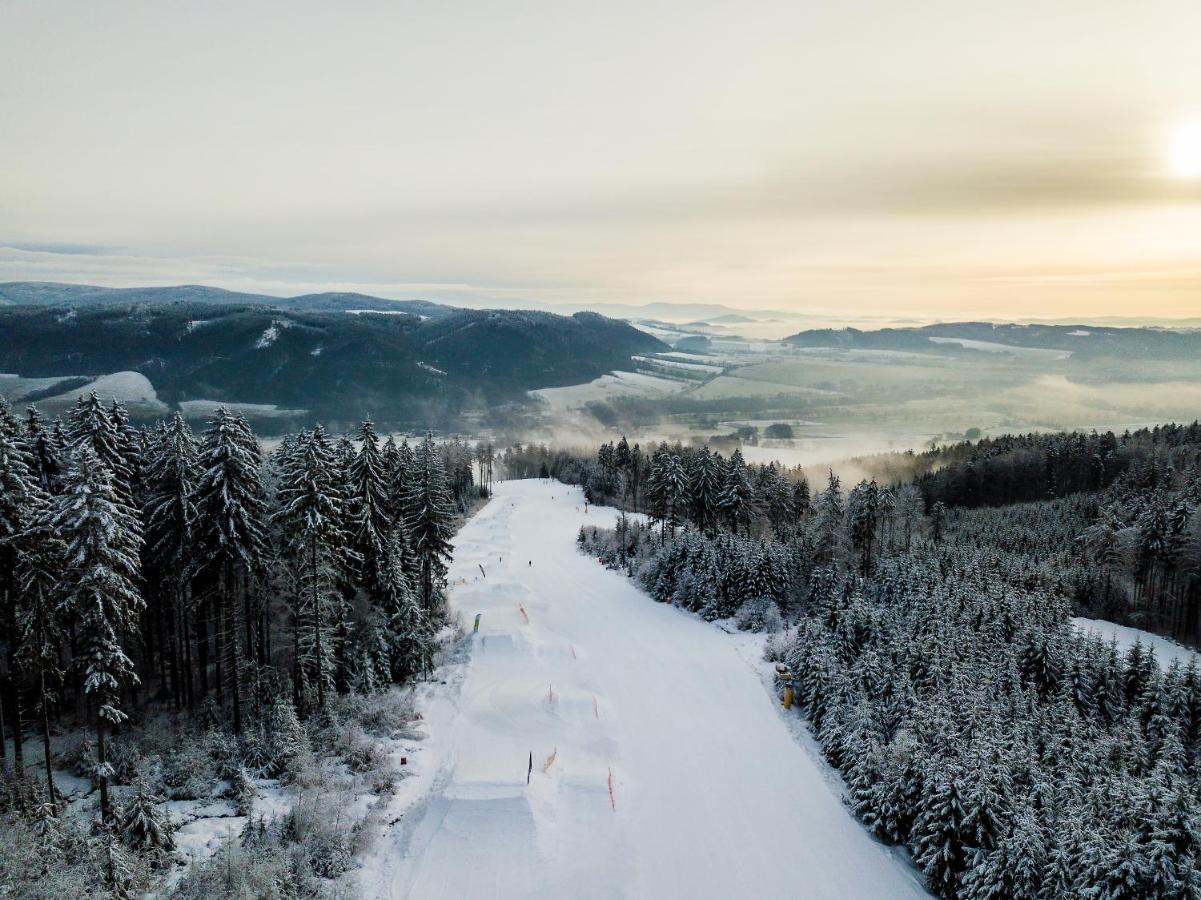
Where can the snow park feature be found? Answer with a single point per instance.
(692, 784)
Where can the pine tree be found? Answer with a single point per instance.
(737, 497)
(41, 558)
(368, 505)
(169, 511)
(91, 427)
(144, 827)
(21, 500)
(312, 515)
(938, 838)
(409, 633)
(230, 535)
(430, 520)
(98, 589)
(704, 489)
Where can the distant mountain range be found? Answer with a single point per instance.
(49, 293)
(984, 337)
(333, 357)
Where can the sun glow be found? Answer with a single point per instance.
(1186, 151)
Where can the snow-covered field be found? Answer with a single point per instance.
(1167, 651)
(614, 384)
(661, 764)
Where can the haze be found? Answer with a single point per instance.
(918, 159)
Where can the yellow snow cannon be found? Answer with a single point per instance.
(784, 677)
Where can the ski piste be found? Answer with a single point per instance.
(670, 770)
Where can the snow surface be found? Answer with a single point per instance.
(1166, 650)
(662, 766)
(268, 337)
(606, 387)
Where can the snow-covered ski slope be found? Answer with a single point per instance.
(712, 796)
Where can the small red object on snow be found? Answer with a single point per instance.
(404, 760)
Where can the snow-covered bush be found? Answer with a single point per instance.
(79, 758)
(243, 792)
(189, 773)
(225, 751)
(126, 761)
(322, 828)
(759, 614)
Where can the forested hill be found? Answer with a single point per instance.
(330, 365)
(985, 337)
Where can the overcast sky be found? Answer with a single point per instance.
(952, 159)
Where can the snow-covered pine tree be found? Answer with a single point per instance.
(98, 589)
(430, 521)
(704, 490)
(863, 508)
(21, 502)
(230, 532)
(737, 497)
(401, 480)
(90, 426)
(144, 827)
(312, 517)
(368, 506)
(41, 557)
(829, 524)
(43, 450)
(169, 511)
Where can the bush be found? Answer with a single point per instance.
(189, 773)
(759, 614)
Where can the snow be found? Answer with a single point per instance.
(268, 337)
(711, 794)
(1167, 651)
(203, 409)
(677, 364)
(993, 347)
(606, 387)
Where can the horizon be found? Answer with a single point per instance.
(690, 313)
(915, 163)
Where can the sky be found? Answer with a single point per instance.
(902, 159)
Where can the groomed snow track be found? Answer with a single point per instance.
(661, 765)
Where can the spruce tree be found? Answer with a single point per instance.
(98, 589)
(169, 511)
(430, 521)
(312, 517)
(230, 532)
(368, 505)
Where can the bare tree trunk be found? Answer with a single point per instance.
(200, 623)
(14, 685)
(235, 649)
(101, 761)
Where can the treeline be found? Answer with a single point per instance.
(1019, 468)
(196, 572)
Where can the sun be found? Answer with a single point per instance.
(1186, 151)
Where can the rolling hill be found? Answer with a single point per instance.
(336, 365)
